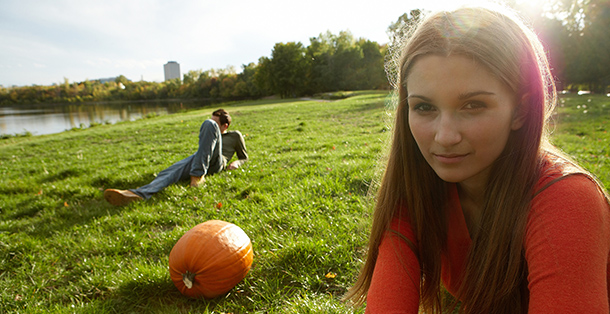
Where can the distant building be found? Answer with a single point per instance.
(106, 80)
(172, 70)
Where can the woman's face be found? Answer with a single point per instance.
(460, 116)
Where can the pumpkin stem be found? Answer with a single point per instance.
(188, 279)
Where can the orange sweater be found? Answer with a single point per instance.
(567, 248)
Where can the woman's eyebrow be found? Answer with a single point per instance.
(420, 97)
(463, 96)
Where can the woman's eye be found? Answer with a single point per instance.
(474, 105)
(423, 107)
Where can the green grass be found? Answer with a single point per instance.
(303, 199)
(582, 130)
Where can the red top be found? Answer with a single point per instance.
(567, 248)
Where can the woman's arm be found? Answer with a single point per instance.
(567, 247)
(395, 282)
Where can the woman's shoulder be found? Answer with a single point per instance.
(577, 187)
(562, 180)
(400, 220)
(567, 241)
(568, 195)
(555, 168)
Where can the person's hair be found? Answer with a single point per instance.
(495, 278)
(223, 116)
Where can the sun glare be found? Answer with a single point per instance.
(534, 6)
(528, 6)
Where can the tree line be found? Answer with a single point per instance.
(574, 32)
(330, 63)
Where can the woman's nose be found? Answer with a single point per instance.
(447, 131)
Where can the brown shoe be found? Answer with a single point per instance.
(120, 197)
(197, 181)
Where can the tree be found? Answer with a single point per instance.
(594, 50)
(346, 62)
(587, 41)
(227, 85)
(246, 85)
(320, 77)
(371, 74)
(398, 30)
(262, 77)
(559, 47)
(122, 79)
(340, 62)
(287, 69)
(191, 77)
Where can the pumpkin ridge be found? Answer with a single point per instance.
(204, 252)
(238, 276)
(211, 257)
(245, 260)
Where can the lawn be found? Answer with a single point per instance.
(304, 199)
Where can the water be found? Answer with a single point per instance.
(49, 119)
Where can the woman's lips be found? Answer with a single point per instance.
(450, 158)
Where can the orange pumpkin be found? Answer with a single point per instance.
(210, 259)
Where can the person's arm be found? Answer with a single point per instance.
(240, 150)
(396, 278)
(567, 247)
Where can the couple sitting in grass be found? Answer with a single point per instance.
(216, 148)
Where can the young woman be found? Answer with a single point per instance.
(474, 198)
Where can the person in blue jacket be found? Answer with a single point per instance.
(207, 160)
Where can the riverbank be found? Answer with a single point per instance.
(39, 119)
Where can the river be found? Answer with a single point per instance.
(48, 119)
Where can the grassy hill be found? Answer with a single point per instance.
(303, 199)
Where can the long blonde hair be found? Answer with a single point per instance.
(495, 277)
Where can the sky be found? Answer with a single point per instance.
(43, 42)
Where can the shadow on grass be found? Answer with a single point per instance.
(123, 183)
(289, 268)
(30, 208)
(360, 186)
(367, 106)
(68, 173)
(60, 216)
(159, 294)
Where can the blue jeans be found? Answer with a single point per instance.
(207, 160)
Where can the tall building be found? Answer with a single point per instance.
(172, 70)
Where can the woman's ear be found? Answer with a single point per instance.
(520, 112)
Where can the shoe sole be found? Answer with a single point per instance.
(117, 198)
